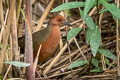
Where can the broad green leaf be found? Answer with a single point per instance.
(69, 5)
(95, 62)
(112, 8)
(88, 20)
(88, 5)
(107, 53)
(98, 69)
(72, 33)
(77, 64)
(18, 64)
(93, 33)
(95, 40)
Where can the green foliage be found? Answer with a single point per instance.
(95, 62)
(72, 33)
(112, 8)
(88, 34)
(88, 20)
(69, 5)
(102, 11)
(107, 61)
(0, 45)
(18, 64)
(23, 14)
(88, 5)
(97, 69)
(107, 53)
(67, 12)
(95, 40)
(77, 64)
(1, 77)
(93, 34)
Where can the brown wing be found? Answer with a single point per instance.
(38, 38)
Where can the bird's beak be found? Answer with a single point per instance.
(66, 23)
(46, 22)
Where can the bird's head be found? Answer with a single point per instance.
(58, 20)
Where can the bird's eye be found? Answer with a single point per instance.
(59, 20)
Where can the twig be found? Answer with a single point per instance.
(117, 42)
(4, 78)
(44, 15)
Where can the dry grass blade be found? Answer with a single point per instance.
(64, 73)
(6, 34)
(19, 18)
(14, 36)
(45, 15)
(16, 79)
(18, 10)
(4, 78)
(36, 59)
(97, 76)
(3, 26)
(117, 41)
(1, 13)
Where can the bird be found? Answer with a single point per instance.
(49, 38)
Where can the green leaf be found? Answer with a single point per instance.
(98, 69)
(88, 34)
(72, 33)
(18, 64)
(88, 20)
(0, 45)
(107, 53)
(95, 62)
(77, 64)
(95, 40)
(107, 61)
(103, 11)
(23, 14)
(1, 77)
(71, 5)
(100, 2)
(68, 5)
(112, 8)
(67, 13)
(88, 5)
(93, 33)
